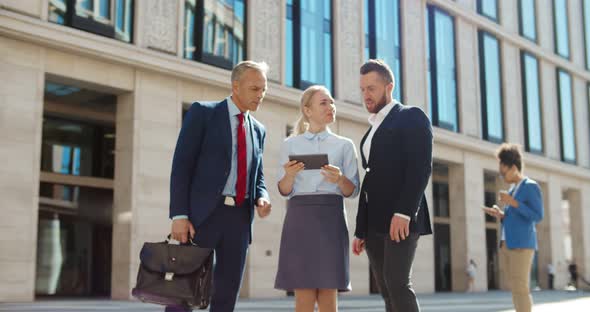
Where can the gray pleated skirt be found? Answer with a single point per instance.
(314, 244)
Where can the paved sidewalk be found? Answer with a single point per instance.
(493, 301)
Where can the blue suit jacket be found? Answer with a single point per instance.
(202, 162)
(519, 223)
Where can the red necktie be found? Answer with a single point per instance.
(242, 169)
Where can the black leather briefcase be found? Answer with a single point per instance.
(175, 275)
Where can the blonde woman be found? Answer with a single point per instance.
(313, 259)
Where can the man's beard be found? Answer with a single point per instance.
(382, 102)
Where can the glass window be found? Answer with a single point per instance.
(74, 241)
(440, 36)
(561, 31)
(532, 103)
(124, 20)
(220, 25)
(77, 148)
(586, 15)
(309, 43)
(382, 37)
(491, 87)
(440, 193)
(566, 116)
(189, 29)
(528, 21)
(109, 18)
(104, 9)
(488, 8)
(57, 11)
(442, 257)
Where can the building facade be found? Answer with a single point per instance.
(92, 95)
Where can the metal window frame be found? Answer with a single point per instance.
(555, 34)
(298, 82)
(92, 25)
(521, 24)
(198, 35)
(482, 13)
(431, 9)
(481, 34)
(525, 98)
(559, 104)
(373, 40)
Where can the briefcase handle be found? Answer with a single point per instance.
(190, 241)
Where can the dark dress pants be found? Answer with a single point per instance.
(391, 265)
(227, 231)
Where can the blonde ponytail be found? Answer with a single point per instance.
(302, 124)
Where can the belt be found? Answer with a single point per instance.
(229, 201)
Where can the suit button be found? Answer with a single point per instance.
(368, 169)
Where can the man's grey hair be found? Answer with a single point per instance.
(242, 66)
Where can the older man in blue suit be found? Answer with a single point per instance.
(217, 179)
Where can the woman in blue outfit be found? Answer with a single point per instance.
(314, 254)
(523, 210)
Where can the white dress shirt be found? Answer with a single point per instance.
(375, 120)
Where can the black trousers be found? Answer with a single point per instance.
(391, 265)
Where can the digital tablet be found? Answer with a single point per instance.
(311, 161)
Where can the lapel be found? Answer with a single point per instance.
(379, 131)
(225, 127)
(518, 191)
(254, 136)
(363, 157)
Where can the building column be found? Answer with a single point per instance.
(512, 94)
(584, 236)
(549, 104)
(413, 47)
(580, 102)
(550, 233)
(580, 230)
(508, 15)
(266, 35)
(21, 119)
(545, 30)
(423, 277)
(157, 22)
(468, 95)
(348, 51)
(466, 192)
(148, 121)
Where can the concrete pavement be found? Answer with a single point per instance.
(493, 301)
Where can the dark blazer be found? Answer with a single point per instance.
(202, 162)
(397, 173)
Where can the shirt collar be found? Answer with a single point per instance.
(516, 186)
(381, 114)
(233, 109)
(320, 135)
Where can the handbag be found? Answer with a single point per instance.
(175, 275)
